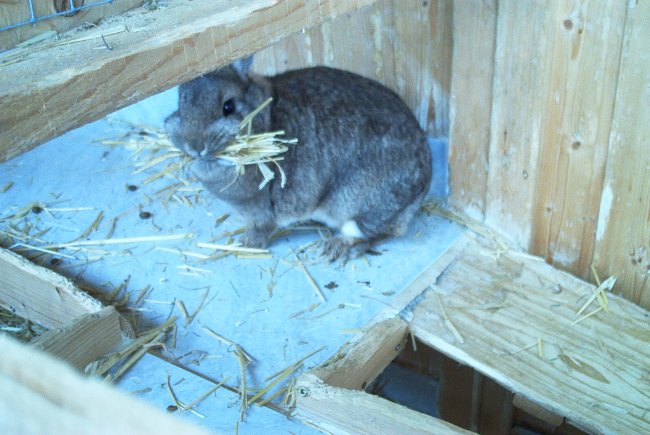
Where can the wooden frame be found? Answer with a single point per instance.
(513, 319)
(80, 329)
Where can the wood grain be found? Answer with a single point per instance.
(474, 34)
(366, 358)
(72, 84)
(521, 59)
(39, 294)
(341, 411)
(578, 90)
(593, 372)
(40, 394)
(623, 233)
(85, 340)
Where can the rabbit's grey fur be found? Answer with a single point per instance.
(361, 166)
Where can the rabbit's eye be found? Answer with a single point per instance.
(228, 107)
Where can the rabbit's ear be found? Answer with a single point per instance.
(243, 66)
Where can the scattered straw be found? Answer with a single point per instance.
(278, 377)
(462, 219)
(244, 360)
(178, 403)
(134, 350)
(236, 248)
(448, 323)
(6, 187)
(310, 278)
(598, 295)
(122, 241)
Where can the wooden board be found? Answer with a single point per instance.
(578, 88)
(406, 45)
(48, 89)
(87, 339)
(474, 33)
(15, 11)
(502, 306)
(39, 394)
(623, 232)
(340, 411)
(39, 294)
(360, 365)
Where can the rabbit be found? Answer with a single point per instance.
(361, 166)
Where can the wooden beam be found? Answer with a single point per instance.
(340, 411)
(87, 339)
(38, 294)
(40, 394)
(49, 89)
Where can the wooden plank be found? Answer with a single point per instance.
(423, 54)
(593, 372)
(577, 91)
(474, 34)
(520, 66)
(341, 411)
(87, 339)
(39, 394)
(356, 368)
(405, 45)
(39, 294)
(623, 232)
(15, 11)
(71, 84)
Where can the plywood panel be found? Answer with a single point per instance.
(623, 233)
(577, 95)
(405, 45)
(474, 34)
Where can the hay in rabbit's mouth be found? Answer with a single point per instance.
(152, 147)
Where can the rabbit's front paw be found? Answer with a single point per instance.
(343, 249)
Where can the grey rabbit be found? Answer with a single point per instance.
(362, 164)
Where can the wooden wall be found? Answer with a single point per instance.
(550, 131)
(404, 44)
(546, 105)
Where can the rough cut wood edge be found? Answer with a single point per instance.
(340, 411)
(593, 373)
(18, 11)
(87, 339)
(41, 295)
(52, 90)
(39, 394)
(358, 367)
